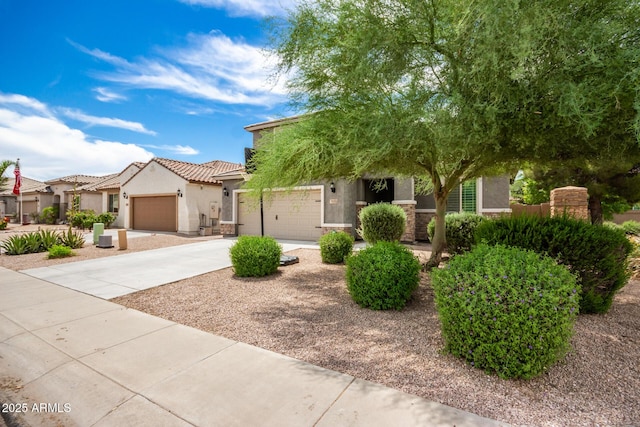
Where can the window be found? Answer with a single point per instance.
(113, 202)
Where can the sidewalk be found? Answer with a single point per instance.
(76, 360)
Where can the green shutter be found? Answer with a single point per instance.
(469, 196)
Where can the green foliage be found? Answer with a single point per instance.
(460, 230)
(383, 276)
(15, 245)
(82, 219)
(255, 256)
(49, 215)
(631, 228)
(72, 239)
(48, 238)
(597, 255)
(3, 224)
(335, 247)
(533, 193)
(33, 242)
(60, 251)
(106, 218)
(506, 310)
(382, 222)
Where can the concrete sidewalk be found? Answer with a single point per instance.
(76, 360)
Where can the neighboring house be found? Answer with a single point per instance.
(64, 190)
(36, 195)
(170, 195)
(308, 211)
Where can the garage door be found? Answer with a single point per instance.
(248, 215)
(157, 213)
(294, 215)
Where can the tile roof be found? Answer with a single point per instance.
(28, 186)
(94, 186)
(75, 179)
(198, 173)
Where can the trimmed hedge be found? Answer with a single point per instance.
(506, 310)
(335, 247)
(460, 231)
(383, 276)
(255, 256)
(597, 255)
(382, 222)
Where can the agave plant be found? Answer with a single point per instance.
(15, 245)
(34, 244)
(48, 238)
(72, 239)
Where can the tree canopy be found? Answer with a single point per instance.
(445, 90)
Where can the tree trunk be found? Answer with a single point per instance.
(439, 241)
(595, 209)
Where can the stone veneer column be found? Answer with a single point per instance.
(574, 201)
(359, 206)
(228, 230)
(409, 208)
(422, 221)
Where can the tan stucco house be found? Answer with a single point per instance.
(311, 210)
(174, 196)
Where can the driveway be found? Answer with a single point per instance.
(118, 275)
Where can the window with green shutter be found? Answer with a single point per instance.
(469, 196)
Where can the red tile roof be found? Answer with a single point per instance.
(198, 173)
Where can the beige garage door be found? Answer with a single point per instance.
(248, 215)
(294, 216)
(157, 213)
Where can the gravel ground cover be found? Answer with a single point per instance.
(304, 311)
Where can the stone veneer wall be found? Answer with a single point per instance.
(228, 230)
(574, 201)
(422, 220)
(409, 208)
(359, 206)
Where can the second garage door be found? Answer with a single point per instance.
(295, 215)
(157, 213)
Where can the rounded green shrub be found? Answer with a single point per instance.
(460, 231)
(383, 276)
(255, 256)
(335, 247)
(60, 251)
(597, 255)
(382, 222)
(506, 310)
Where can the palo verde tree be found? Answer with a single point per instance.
(441, 90)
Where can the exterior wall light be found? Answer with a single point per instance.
(125, 195)
(225, 192)
(179, 193)
(332, 186)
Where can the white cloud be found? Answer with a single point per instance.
(211, 67)
(104, 94)
(183, 150)
(247, 7)
(48, 148)
(105, 121)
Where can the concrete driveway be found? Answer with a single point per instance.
(113, 276)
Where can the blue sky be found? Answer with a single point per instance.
(89, 86)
